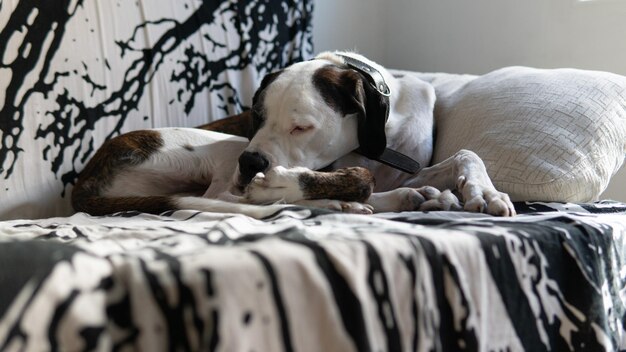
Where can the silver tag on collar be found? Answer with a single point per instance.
(376, 79)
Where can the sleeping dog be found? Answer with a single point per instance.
(339, 112)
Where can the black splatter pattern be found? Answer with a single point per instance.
(69, 125)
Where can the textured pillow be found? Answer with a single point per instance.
(551, 135)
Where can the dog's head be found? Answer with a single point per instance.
(311, 114)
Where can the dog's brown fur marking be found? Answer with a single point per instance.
(339, 88)
(114, 156)
(353, 184)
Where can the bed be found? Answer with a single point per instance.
(553, 278)
(77, 73)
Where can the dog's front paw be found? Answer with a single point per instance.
(277, 184)
(408, 199)
(338, 205)
(484, 199)
(438, 200)
(350, 207)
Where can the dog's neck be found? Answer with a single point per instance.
(409, 130)
(377, 77)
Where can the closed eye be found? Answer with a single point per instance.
(300, 129)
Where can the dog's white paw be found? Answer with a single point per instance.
(408, 199)
(438, 200)
(356, 208)
(277, 184)
(484, 199)
(350, 207)
(338, 205)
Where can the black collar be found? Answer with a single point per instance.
(376, 79)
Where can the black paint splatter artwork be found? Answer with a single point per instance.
(207, 49)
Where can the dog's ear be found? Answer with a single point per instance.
(372, 115)
(348, 92)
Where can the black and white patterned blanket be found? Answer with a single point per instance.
(551, 279)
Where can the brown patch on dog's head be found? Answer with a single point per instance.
(113, 156)
(348, 92)
(258, 110)
(248, 122)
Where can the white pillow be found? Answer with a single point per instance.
(551, 135)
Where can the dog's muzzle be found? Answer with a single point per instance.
(251, 163)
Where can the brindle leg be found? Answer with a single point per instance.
(347, 190)
(352, 184)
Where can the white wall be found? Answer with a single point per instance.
(359, 25)
(479, 36)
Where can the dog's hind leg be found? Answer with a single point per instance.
(98, 205)
(220, 206)
(466, 173)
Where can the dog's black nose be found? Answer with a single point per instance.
(251, 163)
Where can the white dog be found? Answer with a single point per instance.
(337, 111)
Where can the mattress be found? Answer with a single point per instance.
(551, 278)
